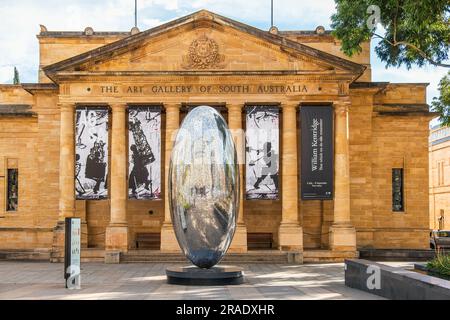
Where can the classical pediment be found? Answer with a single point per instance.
(205, 42)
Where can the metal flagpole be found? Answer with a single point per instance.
(271, 13)
(135, 13)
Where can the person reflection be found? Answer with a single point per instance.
(270, 159)
(96, 165)
(139, 174)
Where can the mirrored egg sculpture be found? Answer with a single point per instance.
(204, 187)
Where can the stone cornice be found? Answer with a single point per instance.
(78, 34)
(33, 88)
(275, 75)
(372, 87)
(400, 109)
(16, 110)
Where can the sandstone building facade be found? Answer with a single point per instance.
(380, 137)
(439, 178)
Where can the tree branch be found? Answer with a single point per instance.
(395, 23)
(412, 46)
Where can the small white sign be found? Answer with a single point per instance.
(75, 243)
(73, 270)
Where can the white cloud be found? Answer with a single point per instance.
(6, 74)
(150, 23)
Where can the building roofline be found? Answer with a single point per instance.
(425, 84)
(72, 33)
(305, 33)
(82, 34)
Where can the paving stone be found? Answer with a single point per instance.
(21, 280)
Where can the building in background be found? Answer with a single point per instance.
(440, 178)
(92, 139)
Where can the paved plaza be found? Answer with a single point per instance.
(23, 280)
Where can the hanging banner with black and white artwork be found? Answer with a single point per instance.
(317, 152)
(144, 141)
(262, 152)
(91, 166)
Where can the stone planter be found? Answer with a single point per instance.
(394, 283)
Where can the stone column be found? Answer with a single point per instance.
(168, 239)
(342, 233)
(290, 234)
(67, 162)
(239, 243)
(117, 231)
(66, 172)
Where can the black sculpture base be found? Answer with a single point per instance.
(194, 276)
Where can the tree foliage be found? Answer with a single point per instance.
(16, 76)
(442, 104)
(411, 31)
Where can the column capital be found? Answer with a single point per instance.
(341, 106)
(237, 107)
(117, 106)
(171, 107)
(290, 106)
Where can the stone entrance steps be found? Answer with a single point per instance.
(87, 255)
(148, 256)
(25, 255)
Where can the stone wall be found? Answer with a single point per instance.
(58, 46)
(378, 141)
(400, 141)
(439, 186)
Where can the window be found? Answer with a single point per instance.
(397, 190)
(12, 190)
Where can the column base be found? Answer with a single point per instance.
(169, 243)
(59, 237)
(342, 238)
(239, 243)
(290, 237)
(116, 238)
(112, 257)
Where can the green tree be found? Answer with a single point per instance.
(16, 76)
(412, 33)
(442, 104)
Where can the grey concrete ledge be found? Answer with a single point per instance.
(397, 254)
(394, 283)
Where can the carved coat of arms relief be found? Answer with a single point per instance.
(203, 53)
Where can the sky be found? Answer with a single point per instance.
(20, 20)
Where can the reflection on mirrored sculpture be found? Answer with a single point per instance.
(204, 187)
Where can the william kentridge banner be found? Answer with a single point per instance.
(317, 152)
(262, 152)
(144, 141)
(91, 157)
